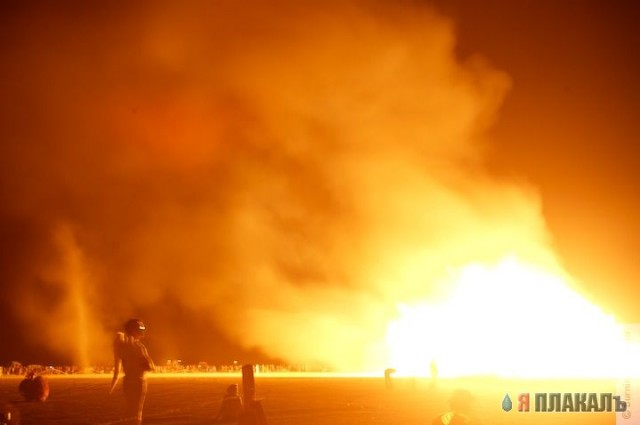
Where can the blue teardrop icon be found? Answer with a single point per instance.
(506, 403)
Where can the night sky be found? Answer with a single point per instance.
(248, 177)
(568, 127)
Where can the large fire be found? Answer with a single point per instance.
(277, 176)
(509, 319)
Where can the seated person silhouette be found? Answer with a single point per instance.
(34, 388)
(461, 402)
(231, 407)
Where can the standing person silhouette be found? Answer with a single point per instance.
(131, 354)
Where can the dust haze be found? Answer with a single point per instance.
(283, 174)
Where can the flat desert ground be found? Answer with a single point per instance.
(329, 400)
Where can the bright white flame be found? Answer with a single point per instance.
(510, 320)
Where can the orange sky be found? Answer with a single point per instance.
(100, 206)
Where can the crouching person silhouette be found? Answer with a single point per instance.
(461, 405)
(34, 388)
(131, 355)
(231, 407)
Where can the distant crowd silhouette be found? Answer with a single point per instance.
(170, 366)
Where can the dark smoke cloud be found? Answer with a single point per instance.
(279, 175)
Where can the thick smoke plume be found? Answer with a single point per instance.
(282, 174)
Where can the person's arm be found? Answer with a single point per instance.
(114, 380)
(150, 366)
(117, 360)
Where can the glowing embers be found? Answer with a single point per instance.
(509, 319)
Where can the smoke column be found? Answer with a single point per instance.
(285, 174)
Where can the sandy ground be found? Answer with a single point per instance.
(295, 401)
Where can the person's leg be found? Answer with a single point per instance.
(135, 390)
(141, 397)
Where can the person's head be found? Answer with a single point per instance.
(134, 328)
(232, 390)
(461, 401)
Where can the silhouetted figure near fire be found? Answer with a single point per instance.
(231, 407)
(130, 354)
(34, 388)
(434, 373)
(461, 403)
(388, 382)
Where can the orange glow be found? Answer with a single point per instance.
(269, 180)
(513, 320)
